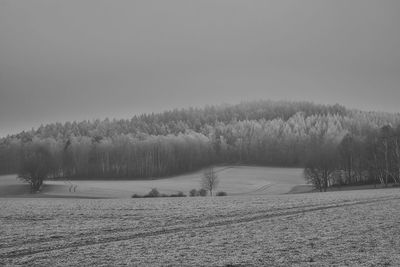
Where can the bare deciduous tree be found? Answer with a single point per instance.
(209, 180)
(36, 165)
(321, 166)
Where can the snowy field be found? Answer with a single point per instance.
(348, 228)
(233, 180)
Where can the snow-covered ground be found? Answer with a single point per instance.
(234, 180)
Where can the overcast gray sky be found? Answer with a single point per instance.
(86, 59)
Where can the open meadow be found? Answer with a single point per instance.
(348, 228)
(234, 180)
(199, 133)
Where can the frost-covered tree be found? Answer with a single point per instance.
(264, 133)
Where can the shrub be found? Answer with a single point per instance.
(193, 193)
(153, 193)
(179, 194)
(221, 194)
(202, 192)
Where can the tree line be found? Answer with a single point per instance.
(295, 134)
(370, 159)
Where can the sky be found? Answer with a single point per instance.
(85, 59)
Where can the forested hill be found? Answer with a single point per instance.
(153, 145)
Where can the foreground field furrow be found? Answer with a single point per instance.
(117, 235)
(291, 211)
(198, 222)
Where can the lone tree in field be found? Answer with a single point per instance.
(36, 164)
(209, 180)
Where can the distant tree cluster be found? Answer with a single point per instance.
(370, 159)
(265, 133)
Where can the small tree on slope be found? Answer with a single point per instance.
(210, 180)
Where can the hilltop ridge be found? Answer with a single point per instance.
(266, 133)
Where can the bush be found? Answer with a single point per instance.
(153, 193)
(202, 192)
(193, 193)
(180, 194)
(221, 194)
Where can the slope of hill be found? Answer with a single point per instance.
(235, 180)
(10, 186)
